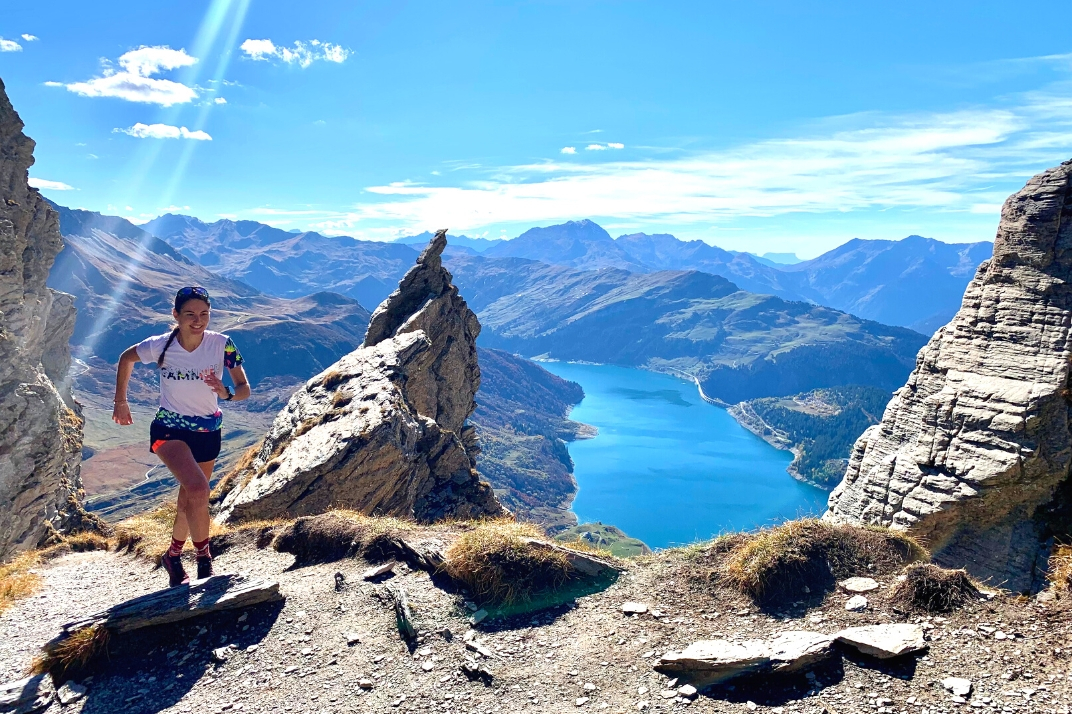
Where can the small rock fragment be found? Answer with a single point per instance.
(365, 683)
(479, 648)
(479, 616)
(70, 692)
(352, 638)
(858, 585)
(856, 603)
(957, 686)
(220, 654)
(378, 571)
(581, 701)
(634, 608)
(687, 690)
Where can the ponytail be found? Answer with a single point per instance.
(160, 359)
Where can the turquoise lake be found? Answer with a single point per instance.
(669, 468)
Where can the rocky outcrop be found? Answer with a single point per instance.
(383, 430)
(973, 453)
(40, 425)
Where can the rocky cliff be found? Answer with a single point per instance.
(40, 425)
(383, 430)
(973, 453)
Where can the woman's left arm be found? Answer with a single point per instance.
(241, 384)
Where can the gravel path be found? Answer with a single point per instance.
(331, 652)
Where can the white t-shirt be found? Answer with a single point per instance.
(182, 390)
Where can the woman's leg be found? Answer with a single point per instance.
(193, 483)
(181, 531)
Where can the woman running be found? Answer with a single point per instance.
(186, 431)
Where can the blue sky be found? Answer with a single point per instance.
(763, 126)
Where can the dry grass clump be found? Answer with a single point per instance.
(929, 588)
(499, 566)
(16, 580)
(1061, 568)
(339, 534)
(781, 564)
(73, 653)
(333, 379)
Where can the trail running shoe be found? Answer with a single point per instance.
(173, 565)
(204, 568)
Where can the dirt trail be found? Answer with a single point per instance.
(582, 655)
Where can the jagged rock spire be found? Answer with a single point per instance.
(383, 430)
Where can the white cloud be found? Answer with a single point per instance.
(594, 147)
(46, 185)
(135, 81)
(569, 150)
(615, 145)
(302, 53)
(162, 131)
(961, 162)
(219, 100)
(604, 147)
(29, 37)
(9, 46)
(53, 84)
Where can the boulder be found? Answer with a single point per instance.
(40, 424)
(711, 661)
(383, 430)
(884, 641)
(972, 455)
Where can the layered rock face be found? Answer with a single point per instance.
(40, 425)
(973, 453)
(383, 430)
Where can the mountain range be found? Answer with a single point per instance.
(915, 282)
(124, 282)
(736, 344)
(288, 264)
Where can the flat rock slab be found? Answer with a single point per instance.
(28, 695)
(163, 607)
(857, 586)
(634, 608)
(711, 661)
(884, 641)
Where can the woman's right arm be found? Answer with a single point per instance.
(121, 410)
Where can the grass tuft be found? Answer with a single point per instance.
(1061, 568)
(500, 567)
(332, 379)
(929, 588)
(777, 565)
(339, 534)
(72, 654)
(16, 580)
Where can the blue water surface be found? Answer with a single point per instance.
(669, 468)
